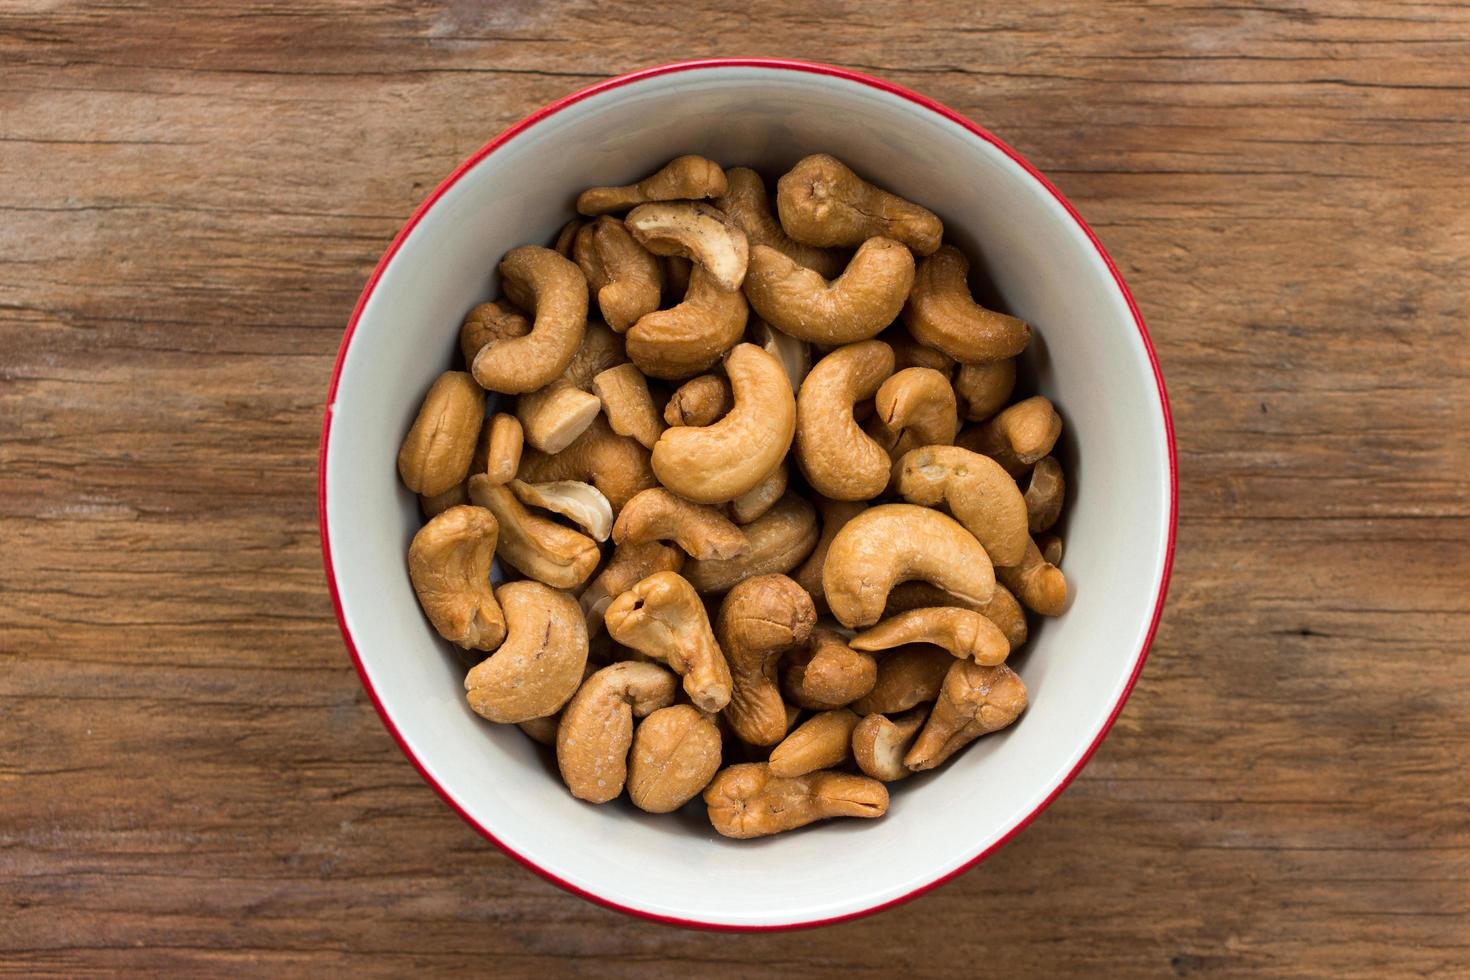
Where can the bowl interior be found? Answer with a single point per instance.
(1089, 357)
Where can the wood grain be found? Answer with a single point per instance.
(191, 196)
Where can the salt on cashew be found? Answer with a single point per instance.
(941, 313)
(699, 401)
(907, 676)
(440, 445)
(1003, 609)
(914, 407)
(1040, 585)
(662, 617)
(581, 503)
(760, 619)
(554, 291)
(701, 531)
(893, 543)
(537, 547)
(879, 743)
(759, 499)
(855, 306)
(614, 464)
(826, 673)
(973, 701)
(980, 494)
(1044, 495)
(779, 540)
(449, 566)
(835, 513)
(487, 322)
(501, 441)
(821, 742)
(692, 230)
(628, 405)
(748, 800)
(746, 203)
(553, 416)
(839, 459)
(676, 752)
(984, 389)
(691, 336)
(715, 463)
(908, 352)
(432, 505)
(795, 355)
(686, 177)
(629, 563)
(596, 728)
(539, 666)
(623, 276)
(1018, 436)
(821, 202)
(963, 632)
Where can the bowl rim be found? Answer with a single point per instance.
(778, 64)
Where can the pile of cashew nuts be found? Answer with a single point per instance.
(809, 505)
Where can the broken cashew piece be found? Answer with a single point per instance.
(702, 531)
(984, 389)
(449, 566)
(676, 752)
(795, 355)
(566, 238)
(855, 306)
(623, 276)
(1040, 585)
(1044, 495)
(1050, 546)
(699, 232)
(779, 540)
(596, 727)
(835, 513)
(748, 800)
(560, 412)
(690, 337)
(554, 291)
(686, 177)
(628, 405)
(629, 563)
(699, 401)
(839, 459)
(502, 441)
(614, 464)
(942, 314)
(581, 503)
(662, 617)
(826, 673)
(539, 666)
(821, 742)
(973, 701)
(487, 322)
(879, 743)
(980, 494)
(746, 203)
(436, 504)
(760, 619)
(821, 202)
(1018, 436)
(436, 453)
(963, 632)
(759, 499)
(537, 547)
(908, 352)
(914, 407)
(908, 676)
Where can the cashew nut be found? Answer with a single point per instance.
(558, 413)
(795, 355)
(542, 730)
(689, 177)
(596, 727)
(759, 499)
(979, 493)
(779, 540)
(695, 231)
(487, 322)
(855, 306)
(1040, 585)
(820, 742)
(963, 632)
(623, 276)
(614, 464)
(746, 203)
(582, 503)
(566, 238)
(879, 743)
(941, 313)
(676, 272)
(432, 505)
(539, 666)
(984, 389)
(537, 547)
(676, 752)
(908, 352)
(1003, 609)
(826, 673)
(449, 565)
(498, 454)
(714, 463)
(915, 407)
(662, 617)
(623, 391)
(440, 444)
(840, 460)
(907, 676)
(973, 701)
(629, 564)
(689, 337)
(893, 543)
(835, 513)
(699, 401)
(1050, 547)
(761, 618)
(1044, 495)
(554, 291)
(747, 800)
(822, 202)
(1018, 436)
(656, 514)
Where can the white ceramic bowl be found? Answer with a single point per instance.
(1092, 356)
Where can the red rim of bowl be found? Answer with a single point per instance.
(613, 83)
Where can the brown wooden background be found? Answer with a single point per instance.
(191, 197)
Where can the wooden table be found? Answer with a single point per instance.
(191, 779)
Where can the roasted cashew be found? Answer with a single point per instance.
(941, 313)
(755, 502)
(539, 666)
(695, 231)
(749, 801)
(581, 503)
(702, 531)
(822, 202)
(449, 565)
(795, 355)
(1050, 547)
(440, 445)
(537, 547)
(1003, 609)
(779, 540)
(855, 306)
(835, 513)
(1018, 436)
(879, 743)
(915, 407)
(542, 730)
(908, 352)
(498, 454)
(973, 701)
(558, 413)
(662, 617)
(839, 459)
(1044, 495)
(683, 177)
(596, 727)
(676, 272)
(963, 632)
(979, 493)
(700, 401)
(629, 563)
(555, 292)
(676, 752)
(614, 464)
(907, 676)
(628, 405)
(487, 322)
(690, 337)
(820, 742)
(714, 463)
(984, 389)
(623, 276)
(432, 505)
(565, 242)
(746, 203)
(826, 673)
(761, 618)
(1040, 585)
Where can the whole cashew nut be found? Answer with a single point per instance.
(826, 673)
(914, 407)
(449, 565)
(907, 676)
(715, 463)
(747, 800)
(822, 202)
(662, 617)
(963, 632)
(614, 464)
(973, 701)
(629, 563)
(779, 540)
(623, 276)
(908, 352)
(695, 231)
(979, 493)
(596, 727)
(676, 752)
(840, 460)
(1018, 436)
(746, 203)
(984, 389)
(941, 313)
(487, 322)
(1044, 495)
(702, 531)
(879, 743)
(685, 177)
(760, 619)
(554, 290)
(628, 405)
(855, 306)
(440, 444)
(893, 543)
(539, 666)
(537, 547)
(700, 401)
(690, 337)
(557, 414)
(1039, 585)
(821, 742)
(1003, 609)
